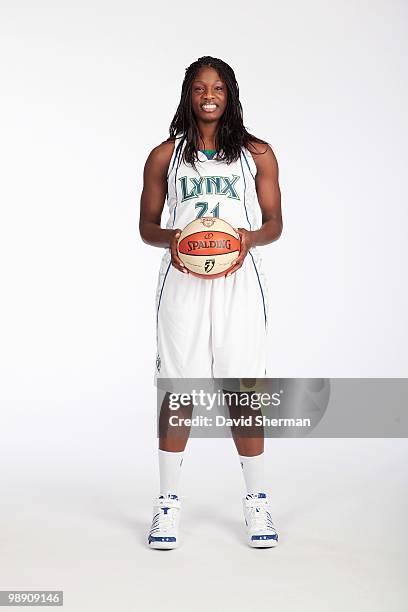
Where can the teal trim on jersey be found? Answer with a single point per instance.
(180, 149)
(247, 163)
(243, 176)
(209, 153)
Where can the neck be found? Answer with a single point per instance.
(207, 135)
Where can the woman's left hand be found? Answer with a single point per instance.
(246, 244)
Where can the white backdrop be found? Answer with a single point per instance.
(88, 89)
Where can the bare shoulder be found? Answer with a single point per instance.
(160, 156)
(262, 153)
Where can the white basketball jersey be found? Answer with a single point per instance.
(215, 189)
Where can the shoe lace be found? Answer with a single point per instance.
(259, 516)
(166, 520)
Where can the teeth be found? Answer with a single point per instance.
(209, 106)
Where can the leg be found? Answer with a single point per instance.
(240, 349)
(172, 443)
(183, 351)
(249, 439)
(166, 511)
(239, 334)
(173, 438)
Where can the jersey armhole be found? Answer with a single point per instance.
(250, 162)
(174, 155)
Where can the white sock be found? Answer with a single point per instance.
(169, 469)
(253, 471)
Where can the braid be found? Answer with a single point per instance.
(231, 134)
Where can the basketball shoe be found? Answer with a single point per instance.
(261, 532)
(166, 516)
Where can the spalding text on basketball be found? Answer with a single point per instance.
(195, 245)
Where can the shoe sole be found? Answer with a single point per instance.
(262, 543)
(163, 545)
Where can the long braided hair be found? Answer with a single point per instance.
(231, 133)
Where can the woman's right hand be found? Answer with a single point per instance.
(175, 259)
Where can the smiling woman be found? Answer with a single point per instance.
(210, 115)
(211, 327)
(208, 95)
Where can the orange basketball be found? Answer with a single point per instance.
(207, 247)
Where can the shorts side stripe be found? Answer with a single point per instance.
(260, 286)
(158, 303)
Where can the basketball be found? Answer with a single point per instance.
(207, 247)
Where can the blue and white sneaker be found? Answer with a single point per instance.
(166, 516)
(260, 529)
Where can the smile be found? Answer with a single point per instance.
(208, 108)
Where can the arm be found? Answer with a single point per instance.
(152, 202)
(269, 197)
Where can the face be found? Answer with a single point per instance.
(208, 95)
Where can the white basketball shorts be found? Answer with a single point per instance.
(212, 328)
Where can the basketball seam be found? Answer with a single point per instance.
(208, 254)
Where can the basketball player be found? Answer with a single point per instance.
(211, 166)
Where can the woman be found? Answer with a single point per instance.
(211, 166)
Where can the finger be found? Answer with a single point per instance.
(174, 254)
(177, 261)
(179, 268)
(174, 240)
(240, 257)
(243, 240)
(234, 269)
(237, 263)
